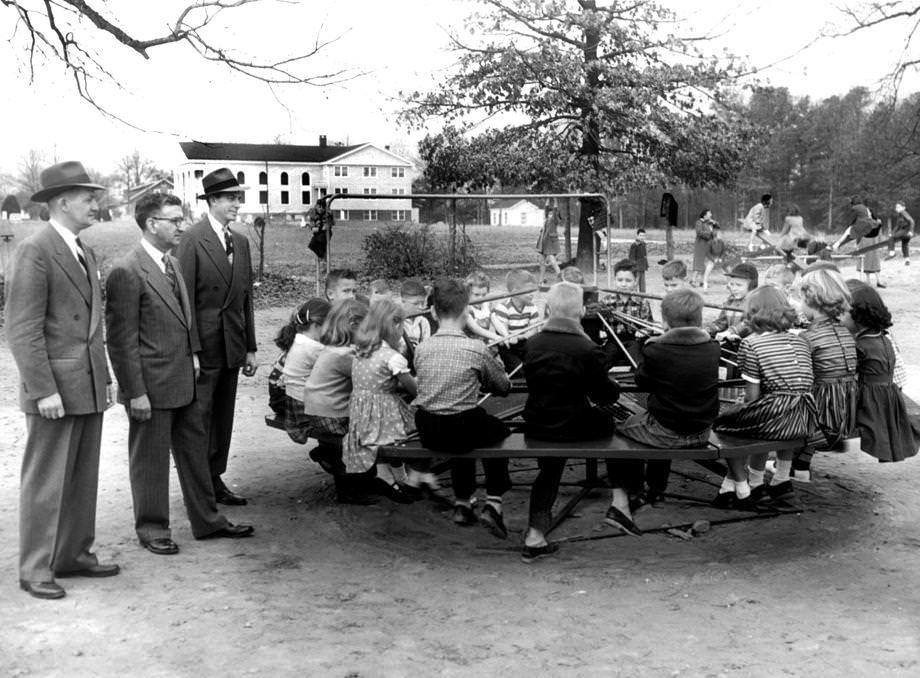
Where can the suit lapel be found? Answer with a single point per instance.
(215, 250)
(159, 283)
(71, 267)
(95, 316)
(183, 293)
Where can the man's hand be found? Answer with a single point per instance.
(139, 408)
(251, 365)
(109, 395)
(196, 365)
(51, 407)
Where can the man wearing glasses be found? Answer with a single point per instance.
(153, 345)
(217, 269)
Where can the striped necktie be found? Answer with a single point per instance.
(81, 257)
(171, 276)
(228, 243)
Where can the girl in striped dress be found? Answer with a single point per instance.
(778, 402)
(825, 299)
(887, 431)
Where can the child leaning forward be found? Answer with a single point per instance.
(451, 369)
(680, 371)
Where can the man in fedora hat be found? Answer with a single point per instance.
(54, 328)
(216, 265)
(152, 344)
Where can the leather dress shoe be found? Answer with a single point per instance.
(231, 532)
(95, 571)
(47, 590)
(223, 495)
(163, 546)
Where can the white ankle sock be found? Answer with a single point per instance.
(742, 489)
(728, 485)
(783, 467)
(494, 502)
(385, 473)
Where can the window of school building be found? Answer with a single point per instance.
(240, 178)
(370, 171)
(284, 178)
(341, 215)
(305, 179)
(370, 191)
(338, 190)
(263, 197)
(263, 178)
(397, 172)
(399, 215)
(285, 198)
(370, 215)
(340, 171)
(305, 197)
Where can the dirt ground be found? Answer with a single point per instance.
(388, 590)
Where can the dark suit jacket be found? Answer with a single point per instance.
(54, 325)
(220, 295)
(151, 335)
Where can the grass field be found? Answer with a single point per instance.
(286, 252)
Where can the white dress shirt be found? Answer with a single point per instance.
(219, 230)
(70, 238)
(155, 254)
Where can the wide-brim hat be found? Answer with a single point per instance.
(220, 181)
(64, 176)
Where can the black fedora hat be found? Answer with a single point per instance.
(63, 177)
(220, 181)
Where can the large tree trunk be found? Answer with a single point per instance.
(590, 149)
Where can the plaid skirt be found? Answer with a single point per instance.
(300, 426)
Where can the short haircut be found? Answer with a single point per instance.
(449, 298)
(412, 287)
(682, 308)
(766, 198)
(767, 310)
(151, 204)
(625, 265)
(478, 278)
(704, 213)
(573, 274)
(379, 286)
(674, 269)
(827, 291)
(342, 321)
(640, 230)
(519, 278)
(337, 274)
(565, 300)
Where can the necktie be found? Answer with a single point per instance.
(81, 257)
(228, 244)
(171, 276)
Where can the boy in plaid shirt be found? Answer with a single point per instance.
(625, 281)
(451, 369)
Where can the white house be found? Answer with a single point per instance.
(515, 212)
(284, 179)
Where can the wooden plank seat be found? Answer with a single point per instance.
(518, 445)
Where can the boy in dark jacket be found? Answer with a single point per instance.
(638, 254)
(680, 372)
(565, 380)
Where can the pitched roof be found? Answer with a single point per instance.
(135, 192)
(508, 203)
(205, 150)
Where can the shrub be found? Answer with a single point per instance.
(396, 252)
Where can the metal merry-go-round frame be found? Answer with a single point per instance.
(329, 199)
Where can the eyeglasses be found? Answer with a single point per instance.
(176, 221)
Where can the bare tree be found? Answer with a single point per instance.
(905, 14)
(134, 170)
(55, 30)
(28, 171)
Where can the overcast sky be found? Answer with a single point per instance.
(399, 45)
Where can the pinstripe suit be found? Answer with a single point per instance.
(151, 339)
(54, 328)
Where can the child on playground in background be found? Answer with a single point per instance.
(515, 314)
(674, 276)
(327, 394)
(902, 231)
(758, 218)
(778, 401)
(377, 414)
(870, 263)
(715, 254)
(479, 318)
(301, 337)
(379, 289)
(680, 372)
(614, 306)
(452, 369)
(566, 378)
(638, 254)
(730, 323)
(825, 300)
(341, 283)
(886, 430)
(417, 328)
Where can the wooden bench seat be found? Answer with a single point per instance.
(516, 445)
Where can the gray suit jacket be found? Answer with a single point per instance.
(151, 333)
(54, 325)
(220, 294)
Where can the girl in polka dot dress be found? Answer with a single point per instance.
(378, 414)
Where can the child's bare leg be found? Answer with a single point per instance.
(555, 264)
(737, 471)
(709, 266)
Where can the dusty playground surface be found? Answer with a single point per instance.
(387, 590)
